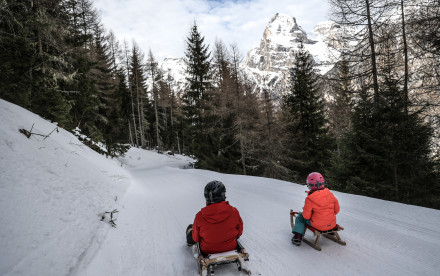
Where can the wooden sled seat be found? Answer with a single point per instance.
(207, 262)
(336, 229)
(331, 234)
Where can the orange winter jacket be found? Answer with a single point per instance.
(320, 208)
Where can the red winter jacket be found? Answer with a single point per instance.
(320, 208)
(217, 227)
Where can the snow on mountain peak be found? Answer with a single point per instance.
(283, 30)
(268, 64)
(282, 25)
(323, 28)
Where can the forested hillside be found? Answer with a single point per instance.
(371, 124)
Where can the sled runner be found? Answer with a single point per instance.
(207, 262)
(331, 234)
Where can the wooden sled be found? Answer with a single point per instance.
(206, 263)
(331, 234)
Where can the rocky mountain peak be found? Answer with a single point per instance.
(267, 65)
(283, 29)
(280, 40)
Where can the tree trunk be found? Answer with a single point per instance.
(157, 119)
(131, 97)
(373, 53)
(405, 52)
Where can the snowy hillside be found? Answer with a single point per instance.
(53, 192)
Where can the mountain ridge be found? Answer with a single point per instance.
(267, 65)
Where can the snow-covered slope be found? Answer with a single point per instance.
(51, 194)
(53, 191)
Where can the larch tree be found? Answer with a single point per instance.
(141, 103)
(155, 76)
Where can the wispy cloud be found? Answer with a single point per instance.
(163, 25)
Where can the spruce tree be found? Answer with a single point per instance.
(387, 152)
(308, 140)
(84, 91)
(116, 133)
(35, 61)
(196, 98)
(17, 52)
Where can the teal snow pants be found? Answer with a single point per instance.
(300, 224)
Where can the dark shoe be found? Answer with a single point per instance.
(189, 228)
(297, 238)
(189, 240)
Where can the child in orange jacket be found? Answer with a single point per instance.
(320, 208)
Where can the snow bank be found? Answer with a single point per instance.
(52, 194)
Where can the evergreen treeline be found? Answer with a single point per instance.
(388, 146)
(368, 125)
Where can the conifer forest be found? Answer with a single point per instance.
(371, 125)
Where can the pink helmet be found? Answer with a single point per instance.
(315, 181)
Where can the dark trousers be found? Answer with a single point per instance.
(189, 238)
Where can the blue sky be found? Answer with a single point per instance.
(162, 25)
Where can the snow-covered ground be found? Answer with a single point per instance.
(53, 192)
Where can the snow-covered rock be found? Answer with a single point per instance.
(267, 65)
(174, 71)
(270, 61)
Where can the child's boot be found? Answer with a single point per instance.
(297, 238)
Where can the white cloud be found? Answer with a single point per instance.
(163, 25)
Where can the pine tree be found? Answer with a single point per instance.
(387, 153)
(82, 92)
(116, 133)
(35, 59)
(304, 108)
(17, 52)
(196, 97)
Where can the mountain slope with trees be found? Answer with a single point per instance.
(371, 123)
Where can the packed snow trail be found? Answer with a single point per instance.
(54, 191)
(383, 238)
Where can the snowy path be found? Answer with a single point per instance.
(383, 238)
(53, 193)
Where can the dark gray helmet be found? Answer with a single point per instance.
(215, 192)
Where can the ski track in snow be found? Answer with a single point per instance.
(53, 193)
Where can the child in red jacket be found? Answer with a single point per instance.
(218, 225)
(319, 211)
